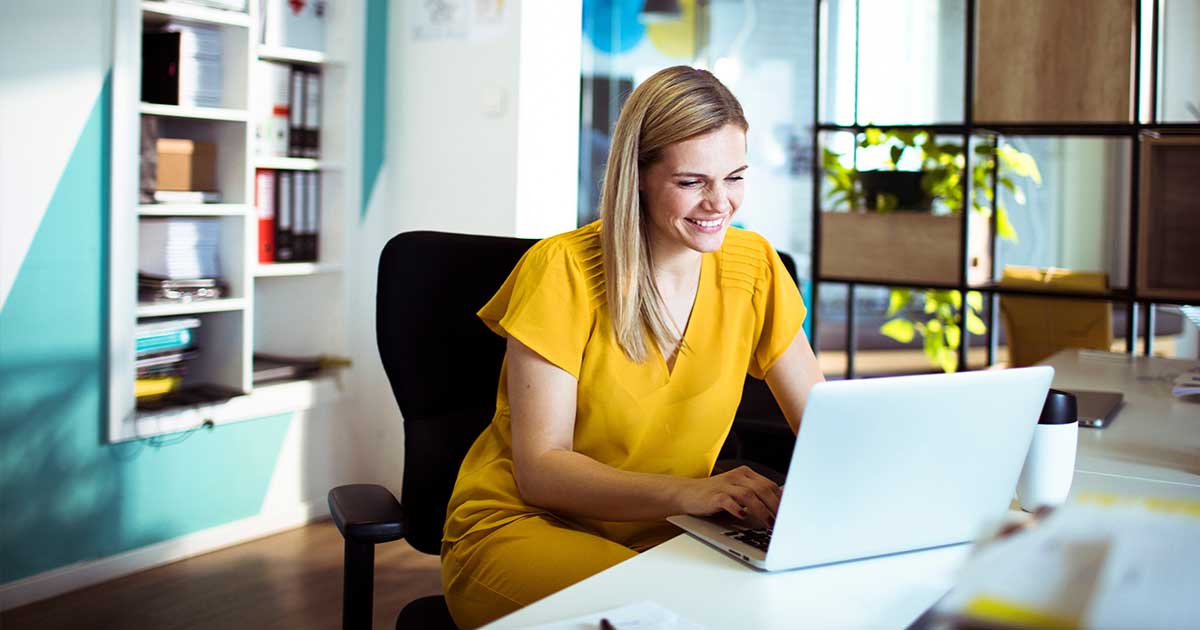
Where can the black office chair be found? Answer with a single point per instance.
(443, 365)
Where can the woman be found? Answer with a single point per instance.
(628, 344)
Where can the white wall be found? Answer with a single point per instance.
(482, 138)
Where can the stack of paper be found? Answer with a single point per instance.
(179, 248)
(1101, 562)
(1188, 383)
(199, 64)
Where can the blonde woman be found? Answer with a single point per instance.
(628, 344)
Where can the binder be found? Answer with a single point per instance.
(312, 204)
(284, 246)
(300, 215)
(296, 113)
(272, 116)
(312, 113)
(264, 201)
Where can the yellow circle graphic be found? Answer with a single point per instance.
(676, 38)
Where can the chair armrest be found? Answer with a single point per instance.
(366, 513)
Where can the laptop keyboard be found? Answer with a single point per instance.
(757, 538)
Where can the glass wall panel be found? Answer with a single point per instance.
(893, 62)
(762, 50)
(1179, 61)
(1077, 218)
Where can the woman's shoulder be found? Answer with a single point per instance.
(581, 247)
(745, 253)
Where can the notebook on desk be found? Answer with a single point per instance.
(888, 465)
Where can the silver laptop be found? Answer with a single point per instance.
(887, 465)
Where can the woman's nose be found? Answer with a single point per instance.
(717, 198)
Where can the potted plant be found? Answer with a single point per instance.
(929, 244)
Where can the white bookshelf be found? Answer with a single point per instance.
(197, 113)
(267, 307)
(194, 209)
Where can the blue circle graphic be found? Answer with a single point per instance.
(612, 25)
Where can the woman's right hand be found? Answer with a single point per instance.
(740, 492)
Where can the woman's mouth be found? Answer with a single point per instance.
(711, 225)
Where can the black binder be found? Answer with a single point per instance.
(285, 248)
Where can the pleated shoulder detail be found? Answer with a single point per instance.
(744, 261)
(584, 247)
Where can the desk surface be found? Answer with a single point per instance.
(1155, 436)
(1152, 448)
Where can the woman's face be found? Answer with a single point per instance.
(689, 195)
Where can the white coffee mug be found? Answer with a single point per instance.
(1049, 466)
(1050, 463)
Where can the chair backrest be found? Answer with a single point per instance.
(442, 362)
(1038, 327)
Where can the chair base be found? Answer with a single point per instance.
(427, 613)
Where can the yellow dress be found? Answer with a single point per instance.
(497, 552)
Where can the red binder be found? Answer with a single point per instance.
(264, 201)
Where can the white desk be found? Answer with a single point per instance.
(1152, 448)
(1155, 436)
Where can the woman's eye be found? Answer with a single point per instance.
(691, 183)
(735, 178)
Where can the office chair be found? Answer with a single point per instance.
(443, 365)
(1038, 327)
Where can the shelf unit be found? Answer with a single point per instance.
(1143, 123)
(260, 312)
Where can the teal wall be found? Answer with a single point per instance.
(65, 496)
(374, 97)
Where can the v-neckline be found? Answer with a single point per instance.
(671, 370)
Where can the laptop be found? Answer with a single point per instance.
(888, 465)
(1097, 409)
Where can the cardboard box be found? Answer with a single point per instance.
(186, 165)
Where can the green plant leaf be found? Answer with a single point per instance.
(899, 329)
(975, 325)
(975, 300)
(953, 336)
(1004, 229)
(871, 137)
(933, 328)
(897, 300)
(948, 360)
(955, 299)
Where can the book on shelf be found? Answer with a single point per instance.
(264, 204)
(159, 336)
(296, 105)
(167, 358)
(179, 247)
(155, 386)
(181, 65)
(292, 23)
(311, 136)
(284, 248)
(189, 396)
(272, 114)
(187, 196)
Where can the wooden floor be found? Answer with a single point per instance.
(290, 580)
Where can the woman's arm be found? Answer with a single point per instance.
(552, 476)
(792, 376)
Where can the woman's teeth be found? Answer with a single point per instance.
(707, 224)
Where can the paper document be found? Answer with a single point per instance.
(640, 616)
(1101, 562)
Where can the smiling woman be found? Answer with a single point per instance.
(629, 340)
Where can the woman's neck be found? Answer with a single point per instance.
(675, 269)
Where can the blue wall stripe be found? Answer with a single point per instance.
(66, 497)
(374, 97)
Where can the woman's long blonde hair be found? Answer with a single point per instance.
(673, 105)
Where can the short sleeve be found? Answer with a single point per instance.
(782, 312)
(544, 304)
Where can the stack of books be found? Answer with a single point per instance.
(181, 65)
(163, 349)
(179, 248)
